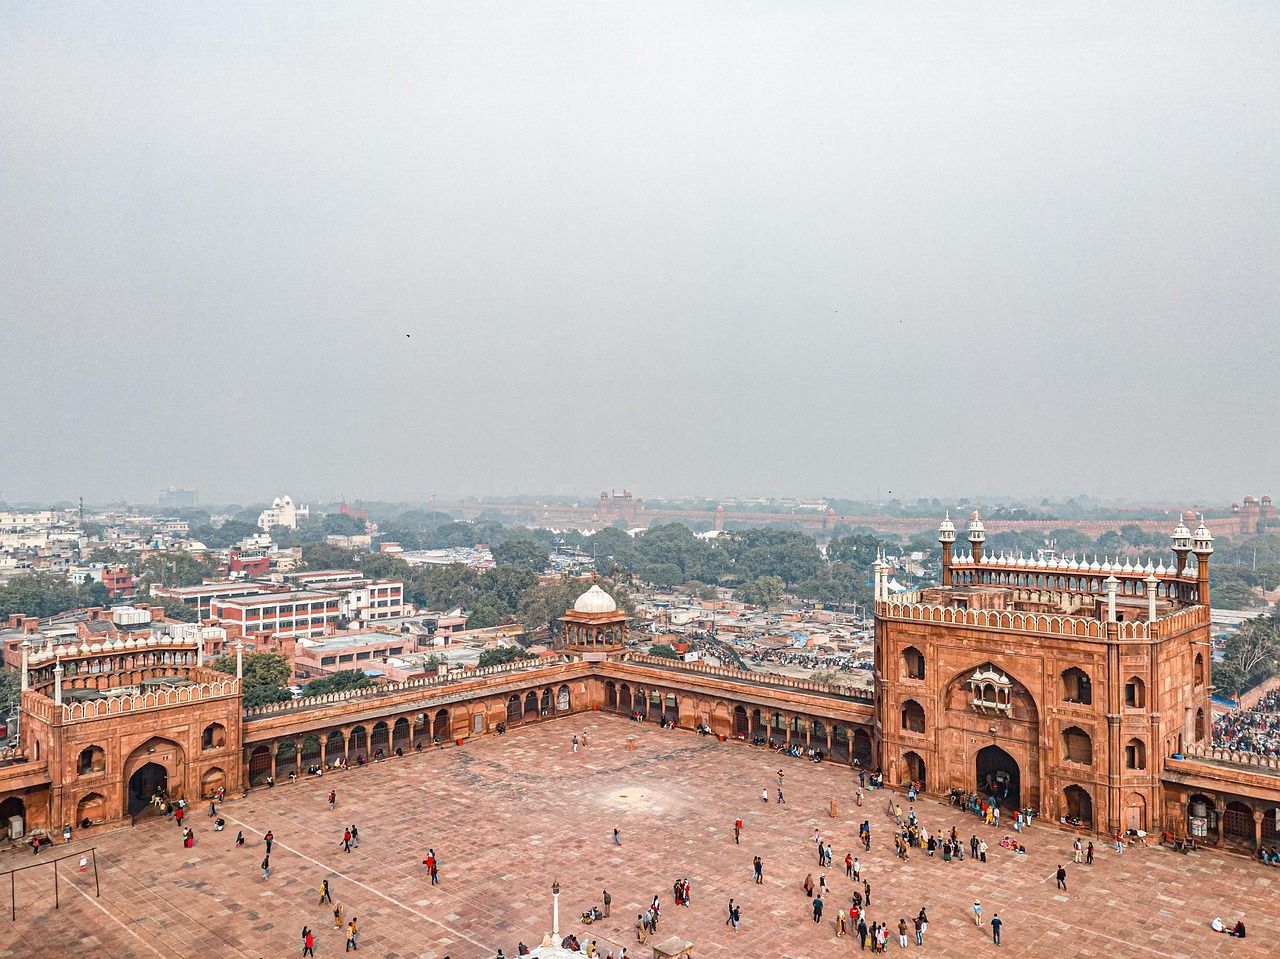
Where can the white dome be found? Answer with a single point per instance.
(595, 600)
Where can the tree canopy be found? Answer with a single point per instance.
(266, 677)
(338, 682)
(47, 594)
(501, 655)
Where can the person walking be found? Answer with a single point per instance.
(617, 837)
(866, 892)
(729, 916)
(977, 912)
(902, 933)
(737, 831)
(919, 930)
(337, 916)
(1120, 842)
(842, 924)
(1088, 859)
(355, 837)
(345, 843)
(817, 909)
(758, 866)
(848, 864)
(862, 931)
(308, 942)
(240, 838)
(608, 901)
(575, 744)
(780, 799)
(333, 799)
(324, 893)
(266, 867)
(982, 850)
(351, 935)
(1062, 878)
(269, 838)
(996, 923)
(764, 794)
(1077, 848)
(641, 925)
(736, 917)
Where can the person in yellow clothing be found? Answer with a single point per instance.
(351, 935)
(337, 916)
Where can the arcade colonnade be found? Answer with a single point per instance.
(371, 735)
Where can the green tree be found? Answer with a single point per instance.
(47, 594)
(521, 552)
(173, 569)
(323, 556)
(340, 524)
(762, 591)
(338, 682)
(175, 608)
(266, 677)
(10, 690)
(1251, 654)
(502, 655)
(664, 651)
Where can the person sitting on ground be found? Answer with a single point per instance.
(1238, 929)
(1217, 925)
(219, 824)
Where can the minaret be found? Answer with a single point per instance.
(947, 538)
(1111, 584)
(26, 664)
(1181, 546)
(240, 659)
(1202, 546)
(57, 684)
(1153, 585)
(977, 536)
(878, 568)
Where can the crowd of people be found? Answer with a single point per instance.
(1253, 730)
(875, 933)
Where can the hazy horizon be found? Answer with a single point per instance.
(401, 250)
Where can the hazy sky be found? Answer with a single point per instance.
(758, 248)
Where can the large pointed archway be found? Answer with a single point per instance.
(997, 776)
(989, 736)
(156, 763)
(149, 780)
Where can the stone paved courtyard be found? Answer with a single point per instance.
(508, 814)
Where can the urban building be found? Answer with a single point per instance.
(175, 498)
(295, 613)
(282, 512)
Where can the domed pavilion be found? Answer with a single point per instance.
(595, 628)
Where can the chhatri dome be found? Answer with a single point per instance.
(595, 600)
(595, 627)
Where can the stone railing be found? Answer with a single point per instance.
(1183, 619)
(12, 754)
(1051, 624)
(772, 679)
(428, 683)
(1233, 756)
(154, 699)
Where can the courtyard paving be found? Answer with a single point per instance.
(508, 815)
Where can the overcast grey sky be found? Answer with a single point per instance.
(757, 248)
